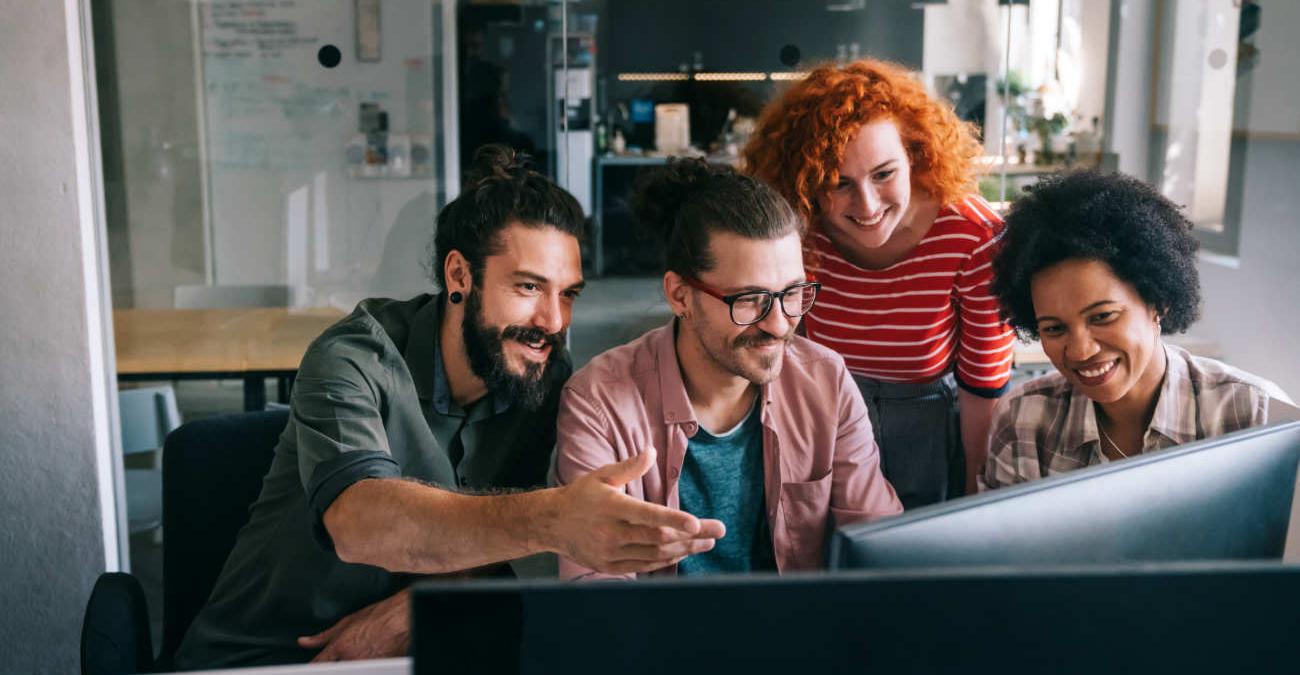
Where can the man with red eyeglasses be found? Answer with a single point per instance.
(752, 426)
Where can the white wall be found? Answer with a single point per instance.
(55, 451)
(1271, 104)
(1128, 122)
(962, 36)
(970, 36)
(1249, 309)
(1093, 19)
(1247, 304)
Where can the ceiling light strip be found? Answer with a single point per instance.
(653, 77)
(731, 77)
(711, 77)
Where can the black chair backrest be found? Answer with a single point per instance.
(212, 473)
(115, 631)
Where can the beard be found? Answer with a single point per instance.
(730, 356)
(485, 348)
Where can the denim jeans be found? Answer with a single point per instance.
(917, 429)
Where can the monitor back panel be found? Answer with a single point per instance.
(1222, 499)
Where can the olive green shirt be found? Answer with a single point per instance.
(371, 400)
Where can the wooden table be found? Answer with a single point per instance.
(215, 344)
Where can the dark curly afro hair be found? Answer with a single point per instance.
(1116, 219)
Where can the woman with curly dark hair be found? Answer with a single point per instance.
(1098, 267)
(901, 242)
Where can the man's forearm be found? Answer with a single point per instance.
(405, 526)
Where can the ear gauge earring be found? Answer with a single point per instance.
(455, 297)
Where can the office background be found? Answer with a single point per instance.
(73, 247)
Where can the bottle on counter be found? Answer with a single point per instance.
(602, 138)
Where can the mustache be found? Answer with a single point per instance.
(762, 338)
(533, 334)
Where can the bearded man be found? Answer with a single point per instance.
(414, 426)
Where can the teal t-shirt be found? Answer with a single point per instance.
(722, 478)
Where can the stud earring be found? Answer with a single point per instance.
(455, 297)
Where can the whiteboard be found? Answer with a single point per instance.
(282, 205)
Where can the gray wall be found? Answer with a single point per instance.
(53, 433)
(1248, 309)
(1247, 296)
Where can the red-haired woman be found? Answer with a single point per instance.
(901, 243)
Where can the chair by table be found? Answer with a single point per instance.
(230, 297)
(212, 472)
(147, 415)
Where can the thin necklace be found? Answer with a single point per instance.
(1112, 443)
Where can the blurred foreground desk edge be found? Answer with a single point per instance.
(1170, 618)
(400, 666)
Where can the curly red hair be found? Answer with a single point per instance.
(798, 144)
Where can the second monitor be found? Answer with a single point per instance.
(1228, 498)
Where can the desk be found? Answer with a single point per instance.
(216, 344)
(397, 666)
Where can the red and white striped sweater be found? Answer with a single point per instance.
(911, 321)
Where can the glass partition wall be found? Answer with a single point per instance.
(267, 164)
(307, 144)
(300, 144)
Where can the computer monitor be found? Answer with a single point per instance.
(1183, 618)
(1228, 498)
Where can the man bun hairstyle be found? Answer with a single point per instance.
(688, 200)
(499, 189)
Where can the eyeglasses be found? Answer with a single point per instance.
(750, 307)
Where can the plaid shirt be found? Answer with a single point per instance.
(1043, 427)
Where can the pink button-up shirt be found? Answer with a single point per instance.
(821, 466)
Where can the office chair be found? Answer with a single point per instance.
(115, 632)
(212, 472)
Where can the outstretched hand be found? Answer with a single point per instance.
(600, 527)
